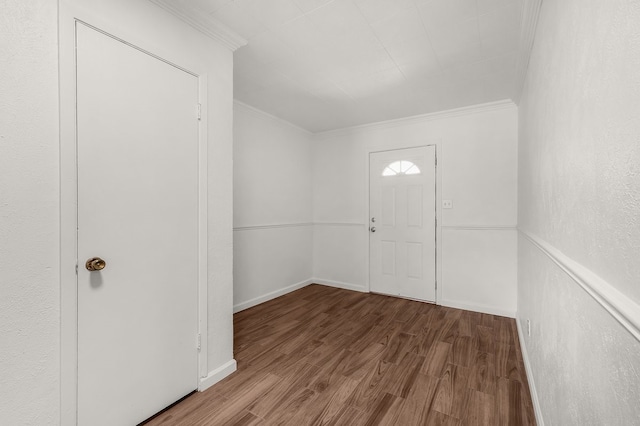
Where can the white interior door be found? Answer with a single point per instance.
(402, 237)
(137, 153)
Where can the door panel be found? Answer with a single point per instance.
(388, 258)
(137, 153)
(403, 229)
(415, 211)
(414, 260)
(388, 206)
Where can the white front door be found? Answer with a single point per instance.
(137, 154)
(402, 214)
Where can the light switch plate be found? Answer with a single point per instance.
(447, 204)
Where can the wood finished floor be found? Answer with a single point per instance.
(326, 356)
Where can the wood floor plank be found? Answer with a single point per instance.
(329, 403)
(417, 404)
(483, 373)
(480, 410)
(350, 416)
(484, 339)
(365, 396)
(385, 412)
(404, 375)
(327, 356)
(438, 419)
(397, 347)
(423, 341)
(452, 394)
(462, 351)
(436, 359)
(237, 405)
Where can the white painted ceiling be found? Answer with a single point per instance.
(329, 64)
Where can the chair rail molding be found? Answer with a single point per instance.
(272, 226)
(479, 227)
(621, 307)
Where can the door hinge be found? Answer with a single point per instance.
(76, 268)
(199, 342)
(199, 112)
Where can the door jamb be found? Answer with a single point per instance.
(69, 15)
(438, 211)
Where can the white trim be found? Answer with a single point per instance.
(623, 309)
(68, 218)
(273, 226)
(269, 296)
(265, 114)
(295, 225)
(206, 24)
(217, 375)
(479, 228)
(415, 119)
(203, 227)
(529, 24)
(436, 143)
(339, 224)
(340, 284)
(477, 308)
(527, 366)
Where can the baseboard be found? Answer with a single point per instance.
(339, 284)
(477, 308)
(527, 367)
(216, 375)
(266, 297)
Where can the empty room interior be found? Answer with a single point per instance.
(306, 212)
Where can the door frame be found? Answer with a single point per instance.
(438, 183)
(71, 14)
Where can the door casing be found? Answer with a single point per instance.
(428, 174)
(366, 155)
(69, 15)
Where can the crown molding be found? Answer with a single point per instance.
(206, 24)
(416, 119)
(265, 114)
(529, 24)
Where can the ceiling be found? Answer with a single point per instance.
(329, 64)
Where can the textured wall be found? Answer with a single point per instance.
(29, 191)
(580, 137)
(579, 190)
(585, 364)
(272, 170)
(271, 207)
(29, 254)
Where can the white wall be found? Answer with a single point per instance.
(579, 198)
(29, 264)
(477, 169)
(272, 207)
(30, 289)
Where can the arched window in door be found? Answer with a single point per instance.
(402, 167)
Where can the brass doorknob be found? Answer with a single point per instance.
(95, 264)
